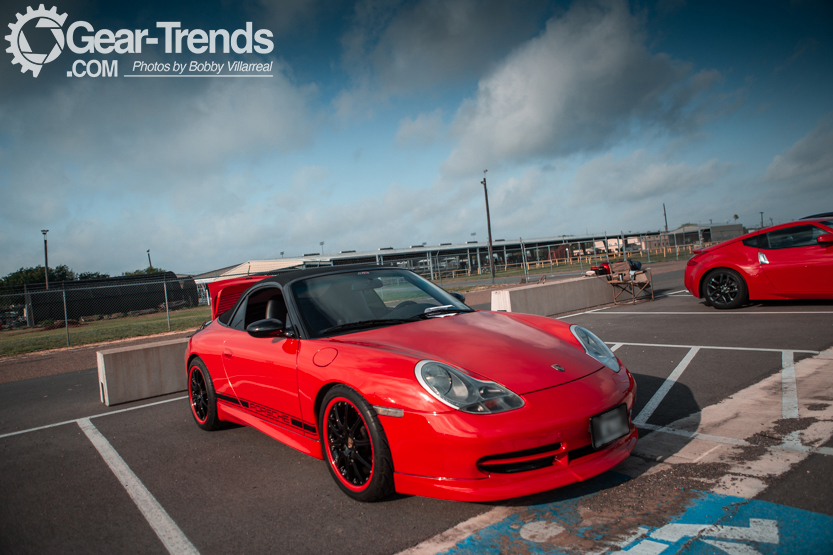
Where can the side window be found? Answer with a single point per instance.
(237, 319)
(267, 303)
(792, 237)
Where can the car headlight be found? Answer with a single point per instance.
(454, 388)
(595, 347)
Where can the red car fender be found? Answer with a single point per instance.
(748, 267)
(385, 379)
(208, 345)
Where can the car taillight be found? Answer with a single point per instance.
(693, 261)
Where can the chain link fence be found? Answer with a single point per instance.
(69, 314)
(80, 313)
(534, 258)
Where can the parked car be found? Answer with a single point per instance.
(787, 261)
(399, 386)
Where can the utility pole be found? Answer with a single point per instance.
(762, 220)
(45, 258)
(489, 228)
(664, 215)
(150, 264)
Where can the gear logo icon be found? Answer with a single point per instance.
(19, 46)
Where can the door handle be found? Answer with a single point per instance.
(762, 258)
(227, 353)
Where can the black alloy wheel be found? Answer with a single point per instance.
(202, 396)
(199, 395)
(724, 289)
(355, 446)
(349, 443)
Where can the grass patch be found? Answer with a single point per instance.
(27, 340)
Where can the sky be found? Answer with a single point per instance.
(378, 118)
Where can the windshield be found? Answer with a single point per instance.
(352, 301)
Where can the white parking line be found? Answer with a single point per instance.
(671, 293)
(663, 390)
(166, 529)
(90, 417)
(448, 539)
(586, 312)
(710, 347)
(615, 347)
(794, 447)
(789, 397)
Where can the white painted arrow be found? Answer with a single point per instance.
(759, 530)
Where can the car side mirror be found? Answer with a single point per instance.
(269, 327)
(459, 296)
(826, 239)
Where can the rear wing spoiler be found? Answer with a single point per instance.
(225, 293)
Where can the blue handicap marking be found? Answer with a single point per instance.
(716, 524)
(710, 525)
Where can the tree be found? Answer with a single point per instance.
(148, 270)
(25, 276)
(736, 218)
(92, 275)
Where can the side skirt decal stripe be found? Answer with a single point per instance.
(268, 413)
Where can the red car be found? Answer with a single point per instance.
(787, 261)
(399, 386)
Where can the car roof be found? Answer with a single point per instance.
(285, 277)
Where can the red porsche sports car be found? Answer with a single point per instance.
(399, 386)
(787, 261)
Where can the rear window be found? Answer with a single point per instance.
(757, 242)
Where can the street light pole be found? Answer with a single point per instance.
(489, 228)
(150, 264)
(45, 258)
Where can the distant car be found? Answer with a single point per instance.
(787, 261)
(399, 386)
(602, 269)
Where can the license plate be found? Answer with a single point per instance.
(609, 426)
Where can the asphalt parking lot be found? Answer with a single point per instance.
(62, 489)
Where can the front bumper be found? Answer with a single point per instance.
(437, 455)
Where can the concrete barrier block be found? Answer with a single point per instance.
(557, 297)
(140, 371)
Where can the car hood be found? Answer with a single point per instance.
(494, 346)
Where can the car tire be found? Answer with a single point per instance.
(724, 289)
(354, 445)
(202, 396)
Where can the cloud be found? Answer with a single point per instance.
(801, 48)
(638, 177)
(807, 165)
(422, 131)
(402, 48)
(123, 156)
(585, 82)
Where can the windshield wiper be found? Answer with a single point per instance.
(439, 310)
(365, 324)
